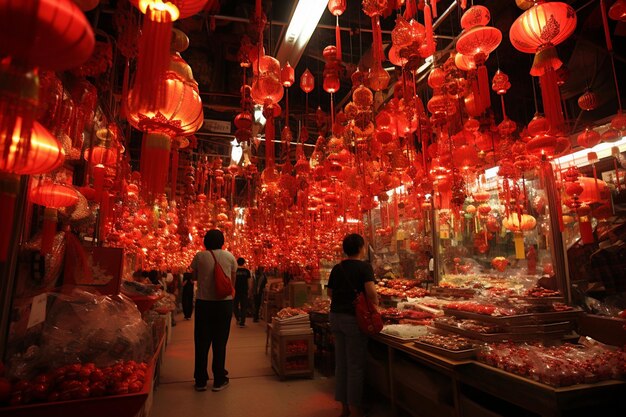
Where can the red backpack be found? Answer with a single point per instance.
(223, 284)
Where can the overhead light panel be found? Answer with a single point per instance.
(303, 22)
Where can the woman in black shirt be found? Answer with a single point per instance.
(348, 278)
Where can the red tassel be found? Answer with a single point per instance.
(98, 180)
(428, 25)
(338, 40)
(9, 187)
(153, 58)
(377, 43)
(434, 7)
(586, 231)
(105, 207)
(411, 9)
(155, 158)
(483, 87)
(174, 173)
(551, 97)
(269, 141)
(125, 82)
(48, 230)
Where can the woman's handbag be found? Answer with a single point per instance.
(368, 318)
(223, 284)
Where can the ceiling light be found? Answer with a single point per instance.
(303, 22)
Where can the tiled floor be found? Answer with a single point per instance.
(254, 389)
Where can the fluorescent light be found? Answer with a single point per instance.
(579, 158)
(303, 22)
(428, 61)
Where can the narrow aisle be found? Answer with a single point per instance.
(254, 388)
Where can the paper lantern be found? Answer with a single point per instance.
(51, 34)
(307, 81)
(177, 113)
(52, 197)
(337, 7)
(589, 138)
(618, 11)
(41, 153)
(538, 30)
(475, 16)
(588, 101)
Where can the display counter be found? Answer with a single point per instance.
(422, 383)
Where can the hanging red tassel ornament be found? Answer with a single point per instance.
(434, 7)
(52, 197)
(430, 35)
(9, 187)
(336, 8)
(538, 30)
(155, 159)
(584, 223)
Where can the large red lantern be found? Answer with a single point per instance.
(177, 113)
(52, 197)
(51, 34)
(538, 30)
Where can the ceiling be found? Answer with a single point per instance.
(215, 38)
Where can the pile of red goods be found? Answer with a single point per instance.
(407, 316)
(290, 312)
(79, 381)
(400, 288)
(473, 307)
(558, 366)
(297, 347)
(541, 292)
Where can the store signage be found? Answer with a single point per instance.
(217, 126)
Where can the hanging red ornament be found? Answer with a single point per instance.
(588, 101)
(307, 81)
(538, 30)
(52, 197)
(618, 11)
(287, 75)
(475, 16)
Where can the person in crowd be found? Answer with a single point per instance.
(259, 289)
(153, 276)
(213, 315)
(242, 292)
(187, 295)
(348, 278)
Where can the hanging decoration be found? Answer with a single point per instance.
(539, 30)
(53, 197)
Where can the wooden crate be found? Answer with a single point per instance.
(292, 355)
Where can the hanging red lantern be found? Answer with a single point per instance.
(179, 113)
(588, 101)
(475, 16)
(538, 30)
(287, 75)
(52, 197)
(618, 11)
(307, 81)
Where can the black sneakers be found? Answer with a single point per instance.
(219, 387)
(200, 388)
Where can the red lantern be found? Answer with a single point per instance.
(287, 75)
(589, 138)
(307, 81)
(52, 197)
(588, 101)
(475, 16)
(618, 11)
(538, 30)
(178, 113)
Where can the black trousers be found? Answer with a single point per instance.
(241, 306)
(258, 300)
(187, 300)
(211, 329)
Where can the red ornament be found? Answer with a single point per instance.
(52, 197)
(538, 30)
(307, 81)
(475, 16)
(588, 101)
(287, 75)
(589, 138)
(337, 7)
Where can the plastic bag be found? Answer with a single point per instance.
(81, 327)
